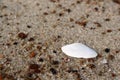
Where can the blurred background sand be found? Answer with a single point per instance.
(32, 33)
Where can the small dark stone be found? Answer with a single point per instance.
(103, 9)
(116, 1)
(8, 44)
(72, 71)
(39, 47)
(31, 39)
(45, 13)
(54, 0)
(98, 24)
(41, 60)
(58, 36)
(37, 4)
(29, 75)
(82, 23)
(4, 7)
(100, 73)
(78, 2)
(28, 26)
(68, 10)
(60, 14)
(109, 31)
(91, 66)
(113, 74)
(22, 35)
(103, 33)
(118, 29)
(54, 71)
(8, 23)
(107, 19)
(15, 43)
(34, 66)
(96, 9)
(117, 51)
(55, 62)
(82, 68)
(107, 50)
(1, 16)
(111, 57)
(71, 19)
(58, 19)
(54, 51)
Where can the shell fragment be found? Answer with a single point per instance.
(79, 50)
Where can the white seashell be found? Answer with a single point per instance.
(79, 50)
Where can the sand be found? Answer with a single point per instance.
(32, 33)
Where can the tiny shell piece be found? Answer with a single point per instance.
(79, 50)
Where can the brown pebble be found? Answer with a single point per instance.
(41, 60)
(82, 23)
(99, 56)
(96, 9)
(31, 39)
(53, 71)
(100, 73)
(28, 26)
(54, 51)
(59, 5)
(72, 70)
(107, 19)
(90, 60)
(117, 51)
(54, 0)
(116, 1)
(68, 10)
(15, 43)
(39, 47)
(98, 24)
(32, 54)
(8, 44)
(92, 28)
(34, 68)
(58, 19)
(111, 57)
(22, 35)
(61, 14)
(1, 77)
(58, 36)
(1, 56)
(109, 31)
(71, 19)
(78, 2)
(53, 12)
(4, 7)
(1, 66)
(113, 74)
(82, 61)
(103, 33)
(55, 62)
(45, 13)
(118, 29)
(92, 66)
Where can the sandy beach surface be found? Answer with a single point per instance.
(32, 33)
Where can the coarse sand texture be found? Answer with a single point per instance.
(32, 33)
